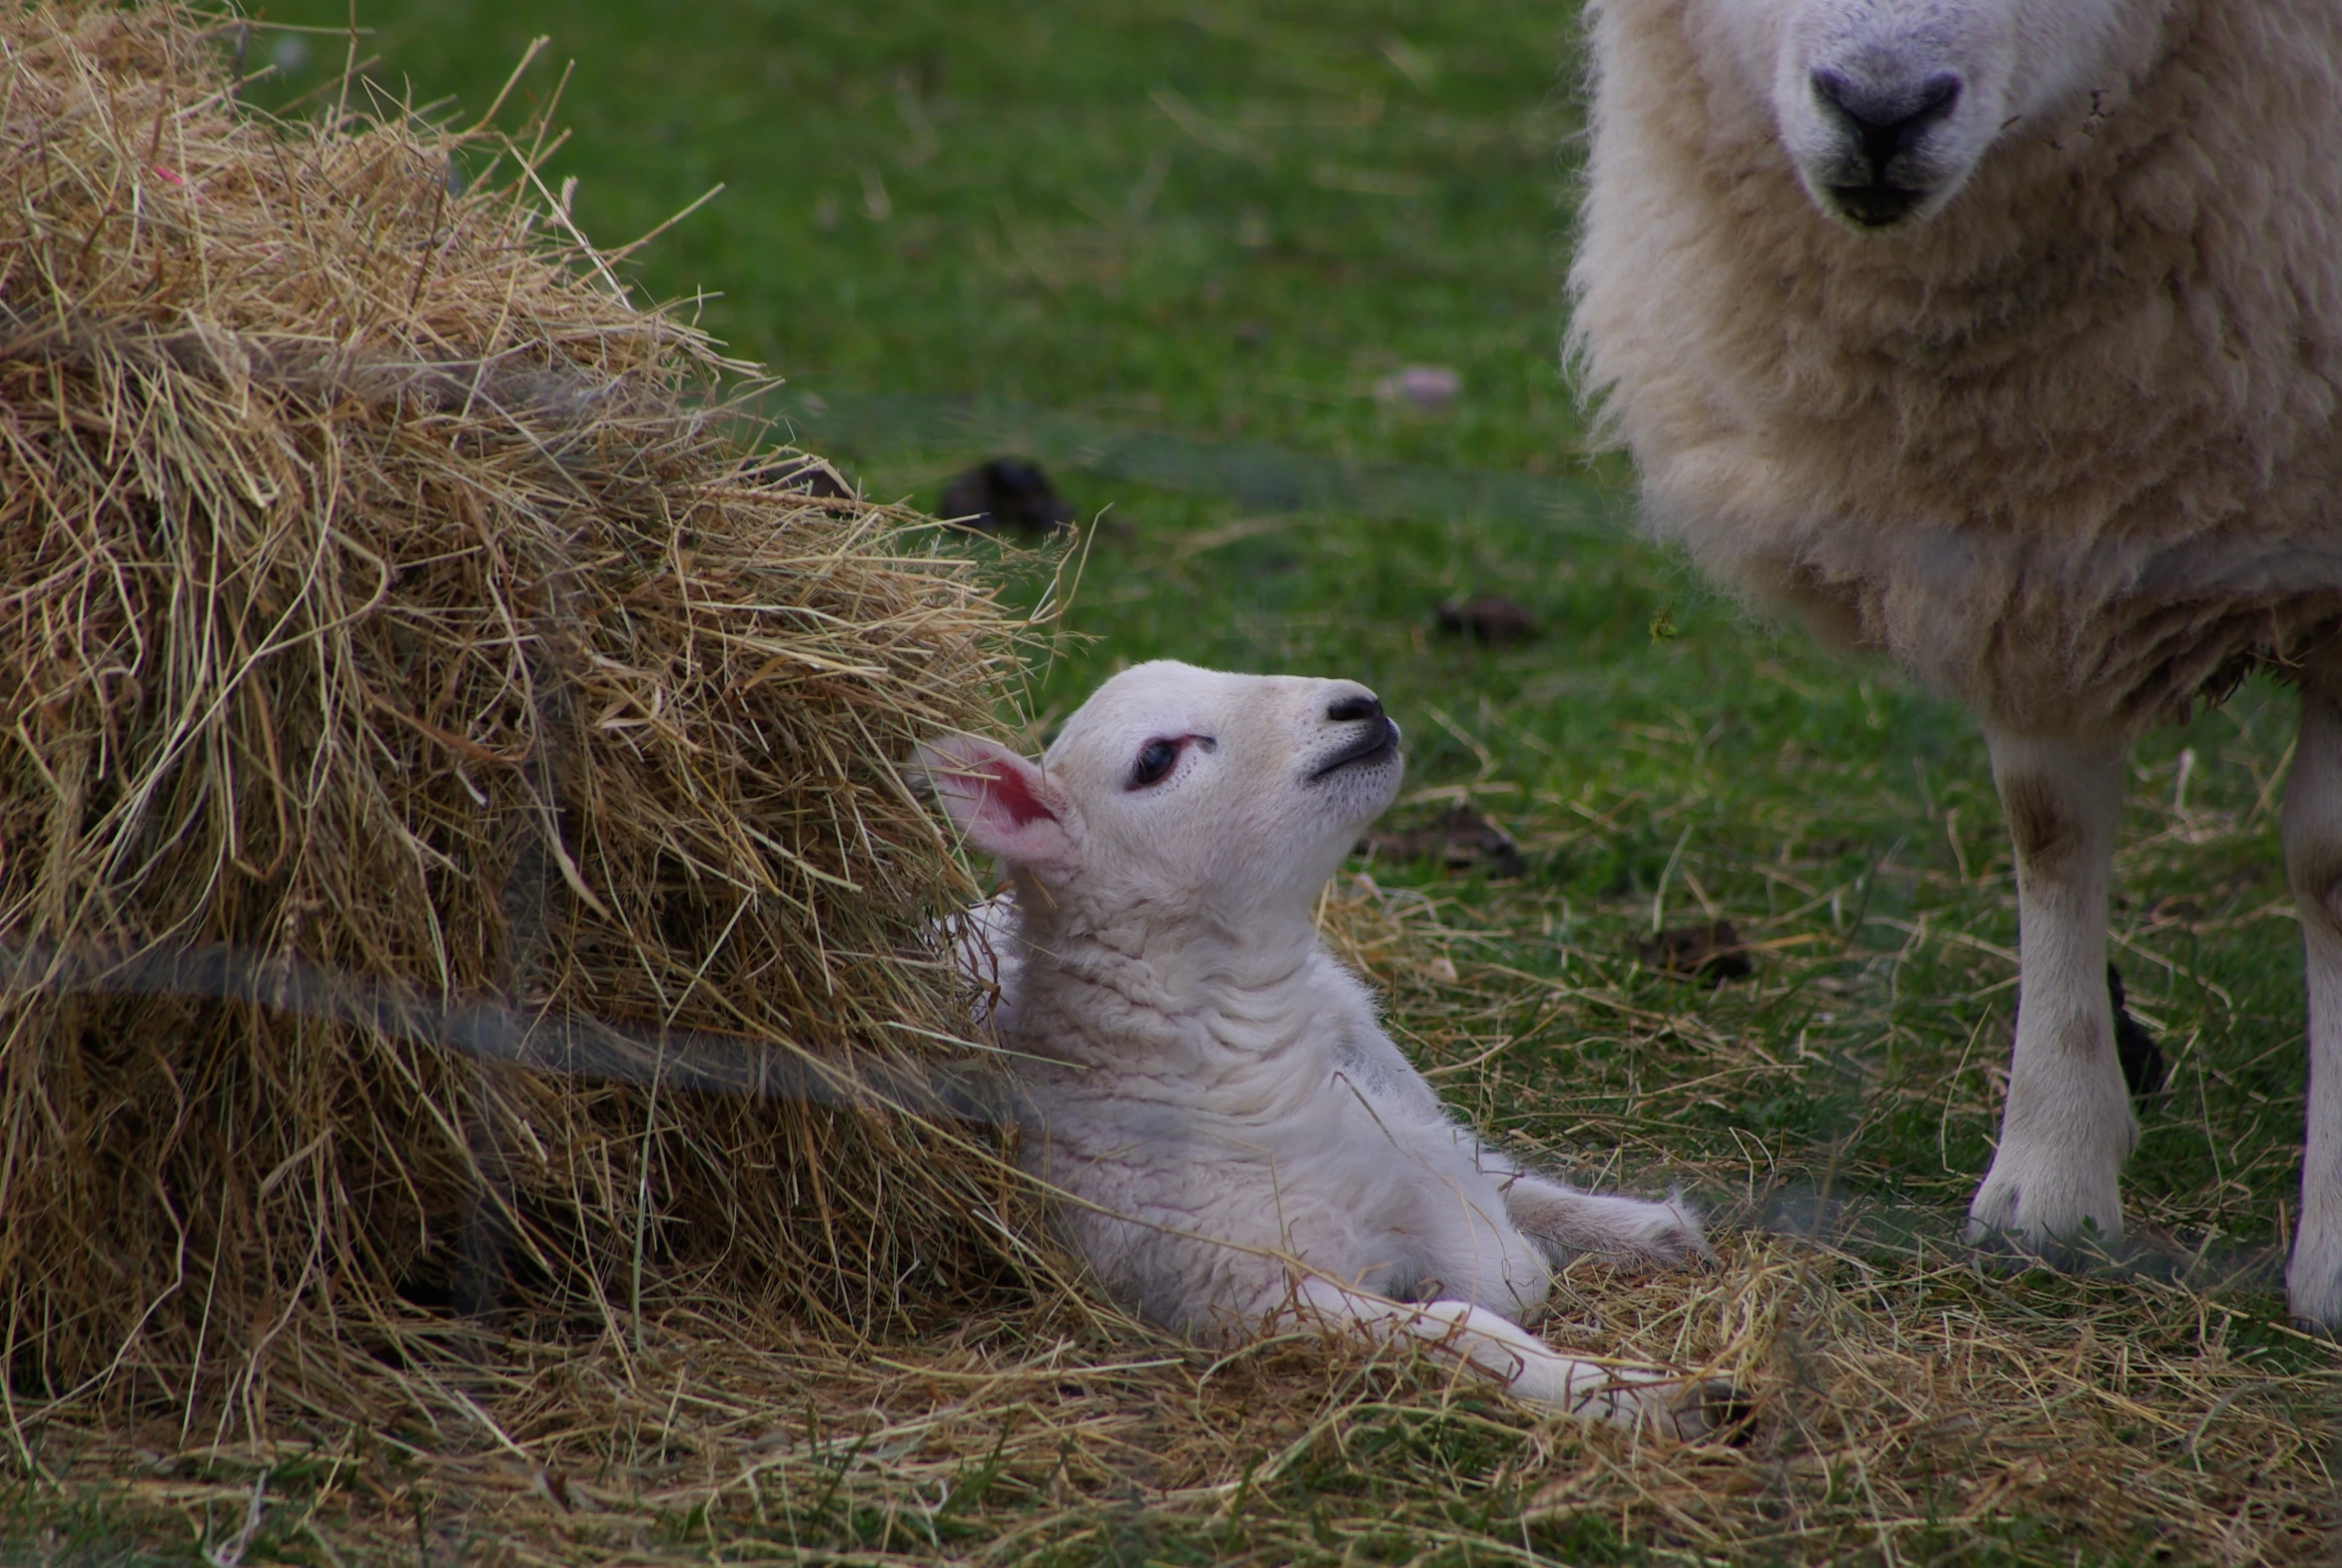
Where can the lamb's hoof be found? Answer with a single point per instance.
(1712, 1411)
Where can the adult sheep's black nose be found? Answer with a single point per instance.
(1886, 116)
(1361, 705)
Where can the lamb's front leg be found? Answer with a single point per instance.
(2067, 1126)
(2313, 864)
(1530, 1369)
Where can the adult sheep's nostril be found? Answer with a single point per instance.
(1364, 705)
(1886, 116)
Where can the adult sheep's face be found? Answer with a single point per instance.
(1886, 107)
(1177, 794)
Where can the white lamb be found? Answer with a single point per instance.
(2006, 337)
(1233, 1137)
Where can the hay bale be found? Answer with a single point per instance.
(388, 625)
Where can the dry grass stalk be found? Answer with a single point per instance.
(381, 596)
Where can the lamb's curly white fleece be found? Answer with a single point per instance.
(2006, 337)
(1234, 1135)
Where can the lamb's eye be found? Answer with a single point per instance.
(1156, 759)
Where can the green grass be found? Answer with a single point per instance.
(944, 198)
(1226, 223)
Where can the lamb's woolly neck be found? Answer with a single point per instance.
(2067, 450)
(1125, 989)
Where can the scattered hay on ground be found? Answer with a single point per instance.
(1910, 1409)
(399, 661)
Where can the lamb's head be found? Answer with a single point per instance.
(1886, 107)
(1179, 794)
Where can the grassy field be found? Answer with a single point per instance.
(1230, 224)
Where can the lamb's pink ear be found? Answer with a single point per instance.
(1004, 804)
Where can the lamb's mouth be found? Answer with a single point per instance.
(1875, 206)
(1378, 741)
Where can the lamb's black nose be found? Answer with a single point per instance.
(1363, 706)
(1886, 116)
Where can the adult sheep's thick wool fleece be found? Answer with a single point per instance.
(2069, 450)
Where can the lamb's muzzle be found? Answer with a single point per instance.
(1377, 738)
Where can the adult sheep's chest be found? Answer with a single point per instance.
(2011, 445)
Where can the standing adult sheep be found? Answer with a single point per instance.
(2004, 337)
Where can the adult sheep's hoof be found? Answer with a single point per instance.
(1714, 1409)
(2313, 1281)
(2068, 1248)
(2052, 1204)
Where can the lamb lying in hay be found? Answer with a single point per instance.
(2004, 337)
(394, 645)
(1233, 1136)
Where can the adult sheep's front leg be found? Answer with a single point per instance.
(2313, 864)
(2067, 1126)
